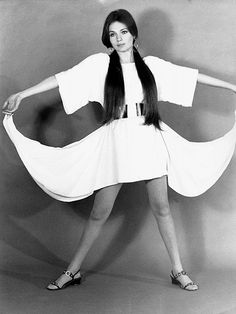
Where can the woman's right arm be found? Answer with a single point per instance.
(12, 103)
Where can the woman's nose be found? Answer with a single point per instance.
(118, 38)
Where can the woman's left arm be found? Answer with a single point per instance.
(211, 81)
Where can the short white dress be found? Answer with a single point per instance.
(125, 150)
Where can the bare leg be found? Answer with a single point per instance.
(103, 204)
(158, 197)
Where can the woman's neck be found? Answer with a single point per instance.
(126, 57)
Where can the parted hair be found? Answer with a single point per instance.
(114, 91)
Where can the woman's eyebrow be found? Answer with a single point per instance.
(119, 30)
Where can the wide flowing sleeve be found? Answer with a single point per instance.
(83, 83)
(175, 84)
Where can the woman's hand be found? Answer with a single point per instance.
(11, 104)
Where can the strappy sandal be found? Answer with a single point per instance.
(175, 281)
(73, 281)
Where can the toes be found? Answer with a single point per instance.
(52, 286)
(192, 287)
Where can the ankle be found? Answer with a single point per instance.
(73, 271)
(177, 269)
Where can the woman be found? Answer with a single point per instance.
(132, 145)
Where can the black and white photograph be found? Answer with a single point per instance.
(118, 168)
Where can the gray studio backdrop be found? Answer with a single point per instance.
(41, 38)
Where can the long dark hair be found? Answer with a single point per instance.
(114, 84)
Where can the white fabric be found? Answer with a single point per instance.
(175, 84)
(124, 150)
(85, 82)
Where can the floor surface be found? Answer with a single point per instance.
(23, 292)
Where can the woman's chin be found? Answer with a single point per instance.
(123, 49)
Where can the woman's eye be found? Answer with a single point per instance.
(124, 32)
(111, 35)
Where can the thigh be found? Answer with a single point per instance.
(157, 192)
(105, 197)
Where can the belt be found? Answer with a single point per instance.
(124, 110)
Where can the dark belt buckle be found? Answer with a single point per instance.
(139, 108)
(124, 112)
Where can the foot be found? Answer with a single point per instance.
(182, 279)
(64, 280)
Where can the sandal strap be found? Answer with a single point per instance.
(179, 274)
(69, 274)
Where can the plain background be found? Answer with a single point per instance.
(41, 38)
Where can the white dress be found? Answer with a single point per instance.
(124, 150)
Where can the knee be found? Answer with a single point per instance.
(160, 210)
(100, 214)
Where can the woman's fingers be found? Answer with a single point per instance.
(11, 104)
(5, 108)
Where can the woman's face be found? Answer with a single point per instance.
(120, 37)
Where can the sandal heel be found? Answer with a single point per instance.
(174, 281)
(76, 281)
